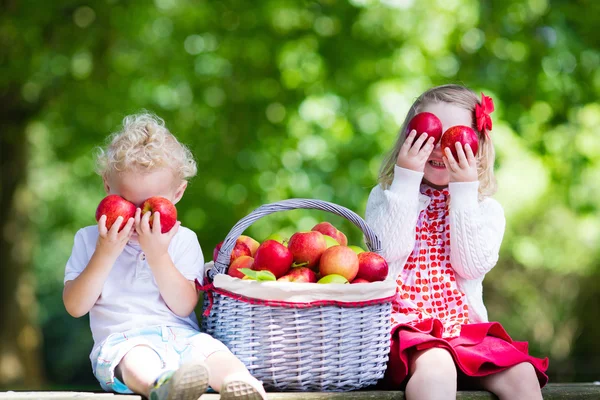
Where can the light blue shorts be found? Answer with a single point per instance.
(174, 346)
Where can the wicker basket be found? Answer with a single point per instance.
(290, 346)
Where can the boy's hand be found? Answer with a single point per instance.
(465, 168)
(412, 156)
(111, 242)
(153, 242)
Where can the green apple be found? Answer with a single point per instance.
(356, 249)
(330, 241)
(257, 275)
(333, 278)
(278, 237)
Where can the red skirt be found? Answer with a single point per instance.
(480, 350)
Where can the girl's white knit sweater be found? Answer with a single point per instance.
(476, 231)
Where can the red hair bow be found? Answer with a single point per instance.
(482, 114)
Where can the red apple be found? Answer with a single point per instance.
(307, 247)
(300, 274)
(248, 241)
(372, 267)
(240, 249)
(114, 206)
(360, 280)
(462, 134)
(240, 262)
(339, 260)
(327, 229)
(273, 256)
(168, 212)
(426, 122)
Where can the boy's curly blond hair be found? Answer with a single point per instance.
(145, 144)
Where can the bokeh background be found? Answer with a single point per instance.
(281, 99)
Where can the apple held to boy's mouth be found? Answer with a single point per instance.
(114, 206)
(461, 134)
(168, 212)
(426, 122)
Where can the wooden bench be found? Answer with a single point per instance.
(553, 391)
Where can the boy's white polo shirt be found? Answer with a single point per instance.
(130, 297)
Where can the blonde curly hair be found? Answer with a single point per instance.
(144, 144)
(459, 96)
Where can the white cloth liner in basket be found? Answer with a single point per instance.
(305, 292)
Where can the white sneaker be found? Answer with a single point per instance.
(189, 382)
(242, 387)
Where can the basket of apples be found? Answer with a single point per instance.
(306, 314)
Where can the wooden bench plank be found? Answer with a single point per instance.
(373, 395)
(553, 391)
(66, 395)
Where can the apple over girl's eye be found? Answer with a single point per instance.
(426, 122)
(462, 134)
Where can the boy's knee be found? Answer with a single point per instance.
(204, 346)
(141, 354)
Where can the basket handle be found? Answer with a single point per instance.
(222, 262)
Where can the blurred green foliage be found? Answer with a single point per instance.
(281, 99)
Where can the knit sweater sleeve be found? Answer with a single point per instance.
(476, 231)
(393, 214)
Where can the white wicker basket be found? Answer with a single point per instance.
(323, 345)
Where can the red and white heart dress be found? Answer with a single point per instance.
(432, 311)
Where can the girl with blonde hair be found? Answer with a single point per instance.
(441, 233)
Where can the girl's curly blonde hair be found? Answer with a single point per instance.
(462, 97)
(145, 144)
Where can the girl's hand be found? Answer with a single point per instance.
(463, 170)
(413, 155)
(111, 242)
(153, 242)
